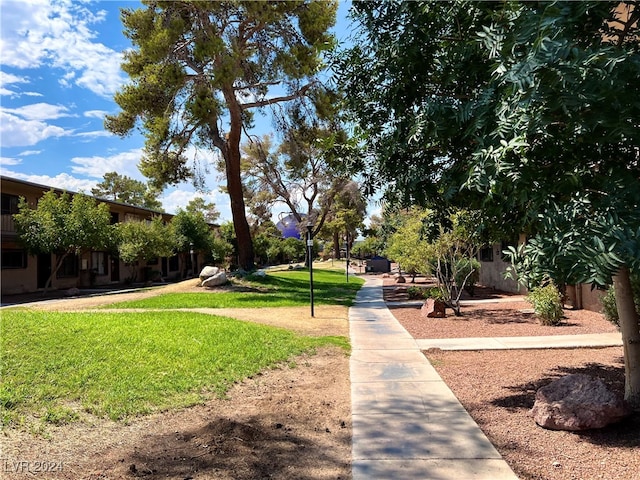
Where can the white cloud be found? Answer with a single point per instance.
(95, 113)
(18, 132)
(59, 34)
(125, 163)
(10, 79)
(39, 111)
(10, 161)
(62, 181)
(95, 134)
(26, 153)
(178, 198)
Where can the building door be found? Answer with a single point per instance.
(44, 269)
(115, 268)
(165, 268)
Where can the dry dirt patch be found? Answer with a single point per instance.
(286, 423)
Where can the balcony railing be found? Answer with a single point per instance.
(7, 225)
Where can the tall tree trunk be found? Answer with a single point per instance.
(59, 261)
(238, 213)
(336, 245)
(630, 327)
(234, 184)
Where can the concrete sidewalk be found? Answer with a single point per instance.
(407, 424)
(590, 340)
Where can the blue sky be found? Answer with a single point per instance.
(60, 66)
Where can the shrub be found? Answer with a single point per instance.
(435, 293)
(547, 303)
(414, 292)
(609, 307)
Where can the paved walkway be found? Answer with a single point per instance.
(407, 424)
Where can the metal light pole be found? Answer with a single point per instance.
(310, 257)
(193, 261)
(347, 249)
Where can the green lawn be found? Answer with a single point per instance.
(288, 288)
(121, 365)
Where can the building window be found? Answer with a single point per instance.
(9, 204)
(14, 259)
(99, 262)
(486, 254)
(69, 267)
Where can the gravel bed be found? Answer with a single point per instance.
(500, 319)
(498, 389)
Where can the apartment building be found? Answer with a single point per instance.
(23, 273)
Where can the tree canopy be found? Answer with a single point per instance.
(123, 189)
(64, 225)
(527, 110)
(198, 71)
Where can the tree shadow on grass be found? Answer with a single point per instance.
(624, 434)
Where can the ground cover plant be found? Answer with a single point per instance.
(57, 366)
(277, 289)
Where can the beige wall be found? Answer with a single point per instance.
(492, 272)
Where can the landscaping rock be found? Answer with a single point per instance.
(219, 278)
(577, 402)
(401, 279)
(72, 292)
(208, 272)
(433, 309)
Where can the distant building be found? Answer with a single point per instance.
(23, 273)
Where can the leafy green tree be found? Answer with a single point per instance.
(409, 247)
(193, 231)
(298, 173)
(64, 225)
(346, 216)
(199, 70)
(123, 189)
(143, 241)
(292, 249)
(266, 239)
(207, 209)
(526, 110)
(454, 248)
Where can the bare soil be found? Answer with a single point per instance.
(498, 389)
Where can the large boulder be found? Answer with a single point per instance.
(577, 402)
(219, 278)
(433, 309)
(208, 272)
